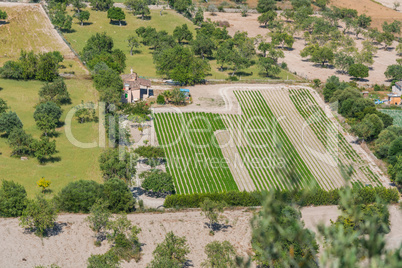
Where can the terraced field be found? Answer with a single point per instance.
(282, 139)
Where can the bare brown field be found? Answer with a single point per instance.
(378, 13)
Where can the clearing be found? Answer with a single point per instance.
(395, 114)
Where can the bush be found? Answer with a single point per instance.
(79, 196)
(233, 78)
(118, 196)
(157, 181)
(377, 87)
(316, 197)
(13, 199)
(284, 66)
(160, 99)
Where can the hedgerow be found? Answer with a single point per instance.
(317, 197)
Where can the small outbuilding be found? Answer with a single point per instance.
(394, 98)
(133, 86)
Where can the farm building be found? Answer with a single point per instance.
(395, 97)
(133, 87)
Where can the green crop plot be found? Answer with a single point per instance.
(194, 157)
(395, 114)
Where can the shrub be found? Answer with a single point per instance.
(160, 99)
(233, 78)
(157, 181)
(39, 216)
(118, 196)
(79, 196)
(13, 199)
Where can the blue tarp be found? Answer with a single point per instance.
(185, 90)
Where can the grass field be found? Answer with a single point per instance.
(75, 163)
(142, 62)
(395, 114)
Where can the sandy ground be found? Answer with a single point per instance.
(390, 4)
(74, 244)
(300, 65)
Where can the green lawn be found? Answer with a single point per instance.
(142, 63)
(75, 163)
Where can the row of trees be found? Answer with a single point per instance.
(42, 66)
(368, 123)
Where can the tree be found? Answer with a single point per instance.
(78, 5)
(101, 5)
(83, 15)
(47, 68)
(212, 210)
(96, 45)
(396, 5)
(157, 181)
(3, 15)
(370, 127)
(267, 17)
(20, 142)
(46, 124)
(50, 109)
(116, 165)
(179, 64)
(110, 85)
(282, 39)
(212, 8)
(116, 13)
(62, 20)
(297, 4)
(382, 144)
(199, 17)
(13, 199)
(55, 92)
(395, 170)
(44, 184)
(364, 21)
(3, 106)
(43, 148)
(138, 7)
(132, 43)
(279, 238)
(269, 66)
(79, 196)
(124, 237)
(343, 61)
(219, 255)
(171, 252)
(358, 71)
(394, 72)
(266, 5)
(98, 219)
(182, 33)
(394, 27)
(395, 150)
(9, 121)
(203, 45)
(39, 216)
(323, 55)
(118, 196)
